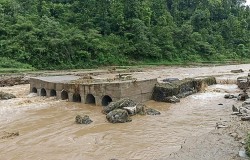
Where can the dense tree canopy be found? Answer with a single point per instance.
(81, 33)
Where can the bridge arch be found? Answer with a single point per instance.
(53, 93)
(34, 90)
(77, 97)
(43, 92)
(106, 100)
(64, 95)
(90, 99)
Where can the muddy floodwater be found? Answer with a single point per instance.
(47, 129)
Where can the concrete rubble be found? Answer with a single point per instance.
(172, 90)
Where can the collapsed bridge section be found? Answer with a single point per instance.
(164, 92)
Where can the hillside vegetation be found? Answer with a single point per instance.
(57, 34)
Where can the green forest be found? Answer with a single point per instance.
(60, 34)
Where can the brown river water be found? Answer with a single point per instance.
(47, 130)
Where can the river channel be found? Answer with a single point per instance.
(47, 129)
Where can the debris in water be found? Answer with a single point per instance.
(235, 109)
(10, 135)
(220, 125)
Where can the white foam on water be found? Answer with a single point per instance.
(32, 95)
(218, 90)
(225, 87)
(12, 109)
(207, 95)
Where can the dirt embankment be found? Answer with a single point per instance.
(13, 80)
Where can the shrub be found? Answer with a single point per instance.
(10, 63)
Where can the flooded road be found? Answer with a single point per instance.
(47, 129)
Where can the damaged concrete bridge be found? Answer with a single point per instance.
(103, 91)
(93, 91)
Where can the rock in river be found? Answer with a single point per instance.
(118, 116)
(229, 96)
(235, 109)
(151, 111)
(243, 82)
(243, 96)
(120, 111)
(245, 118)
(83, 119)
(119, 105)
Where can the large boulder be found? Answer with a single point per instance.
(119, 105)
(83, 119)
(120, 111)
(118, 116)
(5, 96)
(137, 109)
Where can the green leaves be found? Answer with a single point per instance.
(75, 33)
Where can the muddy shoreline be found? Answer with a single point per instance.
(223, 143)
